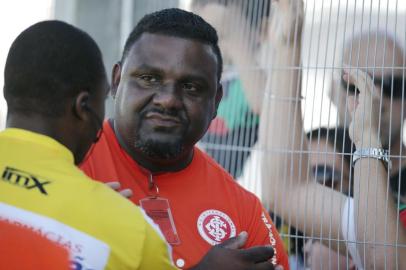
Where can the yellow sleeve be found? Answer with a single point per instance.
(156, 252)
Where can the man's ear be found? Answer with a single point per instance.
(115, 78)
(80, 105)
(219, 96)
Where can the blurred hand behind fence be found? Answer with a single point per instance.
(364, 107)
(286, 21)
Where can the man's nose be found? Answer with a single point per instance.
(168, 97)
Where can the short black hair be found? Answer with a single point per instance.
(48, 63)
(178, 23)
(338, 138)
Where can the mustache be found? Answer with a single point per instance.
(179, 114)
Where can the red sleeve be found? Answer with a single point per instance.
(402, 217)
(262, 231)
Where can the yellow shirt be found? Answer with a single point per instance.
(41, 188)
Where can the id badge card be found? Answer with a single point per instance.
(158, 210)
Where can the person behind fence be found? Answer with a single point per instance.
(55, 88)
(387, 75)
(385, 79)
(330, 163)
(235, 129)
(167, 90)
(369, 224)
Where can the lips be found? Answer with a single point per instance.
(162, 120)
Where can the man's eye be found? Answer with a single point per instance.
(149, 78)
(190, 87)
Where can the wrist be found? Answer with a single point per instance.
(367, 141)
(374, 153)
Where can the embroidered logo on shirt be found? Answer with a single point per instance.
(24, 179)
(215, 226)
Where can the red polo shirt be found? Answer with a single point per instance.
(207, 205)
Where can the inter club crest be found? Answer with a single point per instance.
(215, 226)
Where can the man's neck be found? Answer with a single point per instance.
(154, 165)
(47, 126)
(161, 166)
(33, 123)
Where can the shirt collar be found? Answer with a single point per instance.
(46, 142)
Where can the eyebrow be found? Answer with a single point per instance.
(146, 67)
(188, 77)
(194, 77)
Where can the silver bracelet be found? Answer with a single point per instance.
(377, 153)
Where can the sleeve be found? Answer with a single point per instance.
(156, 252)
(262, 231)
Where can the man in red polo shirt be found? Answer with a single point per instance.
(167, 90)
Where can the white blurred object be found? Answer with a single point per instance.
(250, 177)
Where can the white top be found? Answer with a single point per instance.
(349, 232)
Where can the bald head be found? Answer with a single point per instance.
(381, 56)
(376, 50)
